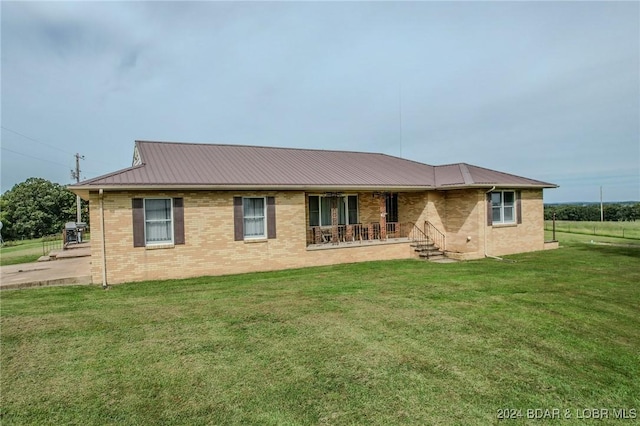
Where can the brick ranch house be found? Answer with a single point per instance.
(185, 210)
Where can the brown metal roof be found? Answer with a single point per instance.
(189, 165)
(462, 174)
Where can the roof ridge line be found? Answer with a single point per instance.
(264, 147)
(126, 169)
(509, 174)
(466, 174)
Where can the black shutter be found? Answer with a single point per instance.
(271, 217)
(519, 206)
(178, 221)
(489, 210)
(238, 219)
(137, 207)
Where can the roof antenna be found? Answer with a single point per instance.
(400, 113)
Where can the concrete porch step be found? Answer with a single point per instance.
(430, 252)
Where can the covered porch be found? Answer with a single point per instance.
(358, 233)
(350, 219)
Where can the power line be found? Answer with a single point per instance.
(35, 140)
(50, 146)
(48, 161)
(31, 156)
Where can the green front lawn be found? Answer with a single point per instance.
(399, 342)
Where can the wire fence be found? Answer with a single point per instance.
(629, 230)
(51, 242)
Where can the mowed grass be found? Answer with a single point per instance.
(629, 230)
(398, 342)
(27, 251)
(24, 251)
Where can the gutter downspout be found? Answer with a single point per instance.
(104, 244)
(486, 214)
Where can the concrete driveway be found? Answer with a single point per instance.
(71, 266)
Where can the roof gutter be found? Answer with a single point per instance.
(486, 214)
(85, 189)
(494, 186)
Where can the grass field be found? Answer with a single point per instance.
(24, 251)
(607, 229)
(571, 239)
(398, 342)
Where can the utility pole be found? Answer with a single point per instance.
(75, 174)
(601, 207)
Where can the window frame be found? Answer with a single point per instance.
(502, 206)
(265, 234)
(391, 206)
(344, 200)
(171, 220)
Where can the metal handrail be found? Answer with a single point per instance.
(435, 235)
(417, 235)
(419, 238)
(52, 242)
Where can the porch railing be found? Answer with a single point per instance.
(417, 236)
(434, 234)
(371, 232)
(356, 233)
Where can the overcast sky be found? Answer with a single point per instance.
(549, 91)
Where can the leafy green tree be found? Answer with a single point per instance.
(36, 207)
(591, 212)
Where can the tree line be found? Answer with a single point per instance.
(613, 212)
(36, 208)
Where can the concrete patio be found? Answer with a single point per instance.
(70, 266)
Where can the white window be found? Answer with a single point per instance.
(254, 217)
(320, 210)
(503, 205)
(158, 221)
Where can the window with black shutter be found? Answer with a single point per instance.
(254, 218)
(157, 221)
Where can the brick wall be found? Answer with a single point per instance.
(368, 208)
(209, 247)
(465, 220)
(411, 207)
(527, 236)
